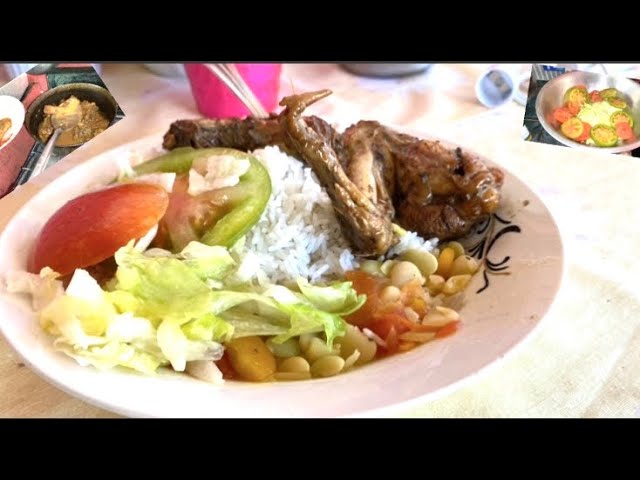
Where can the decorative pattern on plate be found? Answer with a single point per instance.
(490, 231)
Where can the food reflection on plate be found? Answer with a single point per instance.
(92, 122)
(5, 125)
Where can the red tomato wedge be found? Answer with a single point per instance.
(90, 228)
(188, 216)
(595, 96)
(562, 114)
(624, 131)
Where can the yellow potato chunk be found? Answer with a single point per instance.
(251, 359)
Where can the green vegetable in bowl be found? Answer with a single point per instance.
(577, 96)
(572, 128)
(618, 117)
(604, 136)
(609, 93)
(617, 102)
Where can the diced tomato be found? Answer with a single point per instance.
(370, 286)
(389, 320)
(448, 329)
(90, 228)
(562, 114)
(573, 108)
(624, 131)
(594, 96)
(586, 134)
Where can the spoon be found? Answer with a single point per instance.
(63, 117)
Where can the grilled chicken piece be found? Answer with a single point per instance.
(373, 174)
(437, 191)
(367, 227)
(248, 134)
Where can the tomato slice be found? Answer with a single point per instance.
(624, 131)
(595, 96)
(562, 114)
(187, 216)
(586, 134)
(90, 228)
(574, 108)
(572, 128)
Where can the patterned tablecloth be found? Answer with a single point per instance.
(583, 362)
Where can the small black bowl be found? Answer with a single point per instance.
(82, 91)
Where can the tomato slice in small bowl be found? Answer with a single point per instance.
(573, 107)
(624, 131)
(562, 114)
(586, 134)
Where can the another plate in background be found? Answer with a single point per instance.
(11, 108)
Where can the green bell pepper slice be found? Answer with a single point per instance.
(622, 117)
(247, 200)
(609, 93)
(604, 136)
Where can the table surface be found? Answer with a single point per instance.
(583, 362)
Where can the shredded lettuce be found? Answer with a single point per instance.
(43, 288)
(165, 308)
(339, 298)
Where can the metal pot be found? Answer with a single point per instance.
(82, 91)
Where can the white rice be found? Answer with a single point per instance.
(298, 233)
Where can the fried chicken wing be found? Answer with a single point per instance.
(367, 227)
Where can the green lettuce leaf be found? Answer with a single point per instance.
(339, 298)
(163, 288)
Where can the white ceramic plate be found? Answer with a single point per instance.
(527, 248)
(13, 109)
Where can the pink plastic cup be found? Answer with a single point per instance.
(215, 100)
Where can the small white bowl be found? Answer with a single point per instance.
(13, 109)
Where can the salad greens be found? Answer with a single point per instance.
(164, 308)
